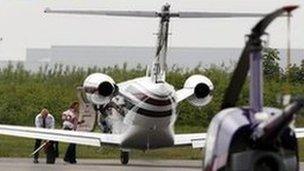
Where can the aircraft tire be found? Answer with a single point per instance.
(124, 157)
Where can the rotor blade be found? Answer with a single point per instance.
(240, 73)
(109, 13)
(215, 15)
(237, 80)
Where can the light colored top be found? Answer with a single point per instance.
(70, 119)
(49, 121)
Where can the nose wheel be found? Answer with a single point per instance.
(124, 157)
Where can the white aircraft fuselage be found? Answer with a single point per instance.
(149, 103)
(150, 115)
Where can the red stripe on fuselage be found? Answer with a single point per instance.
(149, 100)
(146, 97)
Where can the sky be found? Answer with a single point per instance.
(24, 25)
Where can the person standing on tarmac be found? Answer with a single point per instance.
(70, 120)
(45, 120)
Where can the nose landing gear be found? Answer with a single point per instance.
(124, 157)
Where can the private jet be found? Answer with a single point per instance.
(145, 111)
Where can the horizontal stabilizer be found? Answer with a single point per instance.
(109, 13)
(153, 14)
(217, 15)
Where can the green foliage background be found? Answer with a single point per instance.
(23, 93)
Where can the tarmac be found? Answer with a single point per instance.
(26, 164)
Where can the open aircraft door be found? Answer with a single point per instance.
(87, 113)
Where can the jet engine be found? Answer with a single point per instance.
(202, 87)
(99, 88)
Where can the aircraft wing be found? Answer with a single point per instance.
(77, 137)
(196, 140)
(299, 132)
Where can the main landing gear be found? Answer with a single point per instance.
(124, 157)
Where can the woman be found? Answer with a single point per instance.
(70, 122)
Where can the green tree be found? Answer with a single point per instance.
(296, 73)
(271, 67)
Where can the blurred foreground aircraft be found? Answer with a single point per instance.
(253, 138)
(142, 110)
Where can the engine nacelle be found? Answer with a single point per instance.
(202, 87)
(99, 88)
